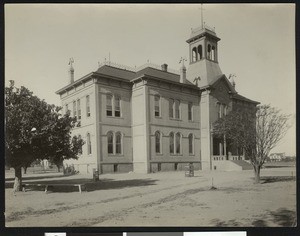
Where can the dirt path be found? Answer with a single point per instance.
(163, 199)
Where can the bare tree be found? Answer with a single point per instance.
(256, 132)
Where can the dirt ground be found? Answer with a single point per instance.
(160, 199)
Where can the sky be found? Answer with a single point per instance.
(257, 45)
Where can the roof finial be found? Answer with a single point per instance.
(182, 60)
(202, 16)
(71, 61)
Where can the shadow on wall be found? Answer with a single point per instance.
(281, 217)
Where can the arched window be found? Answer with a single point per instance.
(109, 105)
(172, 143)
(118, 143)
(89, 144)
(213, 53)
(157, 142)
(178, 143)
(200, 55)
(190, 111)
(209, 51)
(110, 143)
(80, 150)
(191, 144)
(194, 54)
(157, 105)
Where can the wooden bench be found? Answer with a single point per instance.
(80, 186)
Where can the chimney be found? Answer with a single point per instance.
(182, 74)
(164, 67)
(71, 71)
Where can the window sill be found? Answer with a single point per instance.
(115, 155)
(175, 155)
(158, 117)
(176, 119)
(159, 154)
(116, 117)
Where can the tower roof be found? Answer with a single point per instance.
(202, 31)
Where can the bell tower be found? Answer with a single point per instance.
(203, 66)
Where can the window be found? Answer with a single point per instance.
(194, 54)
(118, 143)
(209, 51)
(74, 109)
(88, 109)
(177, 109)
(190, 111)
(80, 150)
(157, 105)
(178, 143)
(172, 143)
(67, 108)
(191, 144)
(117, 107)
(89, 144)
(157, 142)
(109, 105)
(213, 53)
(114, 143)
(200, 52)
(171, 110)
(113, 106)
(175, 143)
(78, 109)
(110, 143)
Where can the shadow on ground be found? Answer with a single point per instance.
(281, 217)
(274, 179)
(24, 177)
(90, 185)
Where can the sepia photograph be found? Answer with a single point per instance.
(150, 115)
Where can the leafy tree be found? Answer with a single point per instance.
(256, 132)
(30, 126)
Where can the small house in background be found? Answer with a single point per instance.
(277, 157)
(153, 118)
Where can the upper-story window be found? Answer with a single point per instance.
(157, 105)
(109, 105)
(194, 54)
(67, 108)
(88, 108)
(74, 109)
(113, 105)
(177, 109)
(190, 111)
(174, 108)
(78, 109)
(171, 110)
(117, 106)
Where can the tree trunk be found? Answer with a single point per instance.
(58, 168)
(257, 174)
(18, 179)
(25, 169)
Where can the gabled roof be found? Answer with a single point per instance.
(222, 77)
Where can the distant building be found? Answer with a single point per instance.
(152, 118)
(277, 156)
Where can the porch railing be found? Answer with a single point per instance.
(224, 158)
